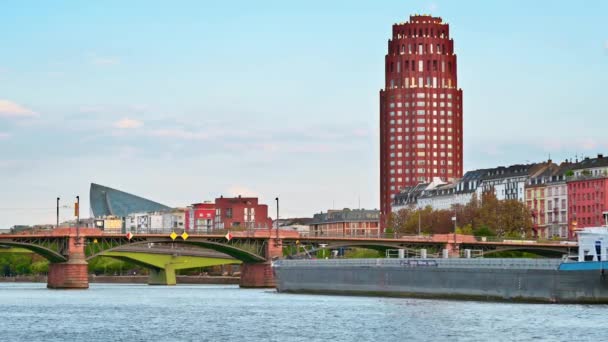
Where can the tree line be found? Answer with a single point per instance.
(18, 264)
(487, 216)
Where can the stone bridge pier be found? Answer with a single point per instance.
(260, 275)
(72, 274)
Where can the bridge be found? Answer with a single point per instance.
(161, 261)
(454, 243)
(68, 250)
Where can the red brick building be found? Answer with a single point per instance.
(420, 108)
(200, 217)
(241, 212)
(587, 201)
(346, 222)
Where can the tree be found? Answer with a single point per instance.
(483, 231)
(40, 267)
(467, 229)
(486, 217)
(398, 221)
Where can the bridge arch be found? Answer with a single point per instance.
(373, 245)
(233, 251)
(540, 251)
(47, 253)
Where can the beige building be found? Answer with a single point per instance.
(346, 222)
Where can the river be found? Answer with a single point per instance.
(113, 312)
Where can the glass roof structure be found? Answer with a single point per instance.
(106, 201)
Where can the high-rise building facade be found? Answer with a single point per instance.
(420, 108)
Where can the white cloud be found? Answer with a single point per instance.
(127, 123)
(178, 133)
(11, 109)
(587, 144)
(4, 135)
(433, 7)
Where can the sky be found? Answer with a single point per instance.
(184, 101)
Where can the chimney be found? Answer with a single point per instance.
(600, 156)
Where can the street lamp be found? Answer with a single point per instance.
(77, 212)
(277, 199)
(454, 219)
(57, 226)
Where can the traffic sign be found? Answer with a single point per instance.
(184, 236)
(129, 236)
(228, 236)
(173, 236)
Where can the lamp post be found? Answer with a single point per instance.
(454, 219)
(277, 199)
(77, 212)
(57, 226)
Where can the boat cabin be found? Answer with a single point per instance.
(593, 244)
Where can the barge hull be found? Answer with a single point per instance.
(473, 283)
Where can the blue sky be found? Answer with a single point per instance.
(188, 100)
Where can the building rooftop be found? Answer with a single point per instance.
(346, 215)
(588, 163)
(105, 201)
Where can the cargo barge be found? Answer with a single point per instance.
(583, 280)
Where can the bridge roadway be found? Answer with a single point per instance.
(68, 249)
(453, 242)
(175, 251)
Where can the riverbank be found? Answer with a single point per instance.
(217, 280)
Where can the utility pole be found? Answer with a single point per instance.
(454, 219)
(77, 212)
(277, 199)
(57, 226)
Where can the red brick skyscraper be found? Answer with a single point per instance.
(420, 108)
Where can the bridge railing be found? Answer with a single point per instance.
(366, 235)
(179, 231)
(444, 238)
(523, 240)
(448, 237)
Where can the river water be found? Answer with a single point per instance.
(30, 312)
